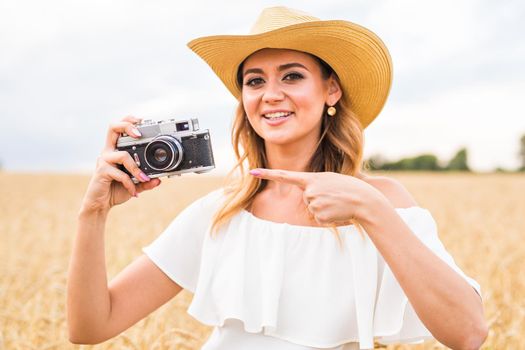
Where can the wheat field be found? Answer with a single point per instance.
(481, 220)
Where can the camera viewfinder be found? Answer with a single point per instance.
(182, 126)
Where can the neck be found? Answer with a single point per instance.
(289, 157)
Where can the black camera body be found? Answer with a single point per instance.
(168, 148)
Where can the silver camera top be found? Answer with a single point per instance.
(192, 124)
(151, 129)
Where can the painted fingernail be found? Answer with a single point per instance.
(256, 172)
(136, 132)
(144, 176)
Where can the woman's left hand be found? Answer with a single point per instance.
(332, 198)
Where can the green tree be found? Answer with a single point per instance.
(427, 162)
(459, 162)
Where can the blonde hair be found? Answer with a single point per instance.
(339, 150)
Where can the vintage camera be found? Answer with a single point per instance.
(168, 148)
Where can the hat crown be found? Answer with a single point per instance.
(278, 17)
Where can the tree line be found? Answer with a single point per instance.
(429, 162)
(423, 162)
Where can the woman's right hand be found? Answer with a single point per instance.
(110, 186)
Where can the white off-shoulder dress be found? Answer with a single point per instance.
(276, 286)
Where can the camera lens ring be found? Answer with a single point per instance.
(174, 147)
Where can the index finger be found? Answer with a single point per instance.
(127, 125)
(297, 178)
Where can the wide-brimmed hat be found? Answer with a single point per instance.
(358, 56)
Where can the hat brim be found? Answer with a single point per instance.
(357, 55)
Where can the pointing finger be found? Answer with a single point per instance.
(292, 177)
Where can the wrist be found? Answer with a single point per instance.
(92, 211)
(371, 207)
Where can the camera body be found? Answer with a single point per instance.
(168, 148)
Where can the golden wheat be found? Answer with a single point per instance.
(480, 218)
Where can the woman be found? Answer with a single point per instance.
(258, 255)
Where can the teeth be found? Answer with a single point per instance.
(277, 115)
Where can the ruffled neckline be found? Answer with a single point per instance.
(266, 274)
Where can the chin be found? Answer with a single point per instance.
(277, 141)
(282, 141)
(288, 137)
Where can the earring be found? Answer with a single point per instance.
(331, 111)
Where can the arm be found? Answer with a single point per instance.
(96, 311)
(447, 305)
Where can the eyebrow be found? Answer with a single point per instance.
(280, 68)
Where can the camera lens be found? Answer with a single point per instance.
(160, 155)
(164, 153)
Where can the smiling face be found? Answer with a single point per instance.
(284, 95)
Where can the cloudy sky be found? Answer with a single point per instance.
(69, 68)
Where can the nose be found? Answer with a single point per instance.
(272, 92)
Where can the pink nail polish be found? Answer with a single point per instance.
(136, 132)
(144, 176)
(256, 172)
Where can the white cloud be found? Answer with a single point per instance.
(420, 34)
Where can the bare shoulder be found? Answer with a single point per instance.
(393, 190)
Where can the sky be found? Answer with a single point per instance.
(69, 68)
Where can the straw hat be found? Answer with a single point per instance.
(357, 55)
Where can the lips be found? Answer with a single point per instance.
(276, 118)
(277, 115)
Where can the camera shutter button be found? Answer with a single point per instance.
(137, 159)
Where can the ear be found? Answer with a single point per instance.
(334, 91)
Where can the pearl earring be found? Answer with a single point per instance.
(331, 111)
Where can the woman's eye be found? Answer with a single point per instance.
(293, 76)
(254, 82)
